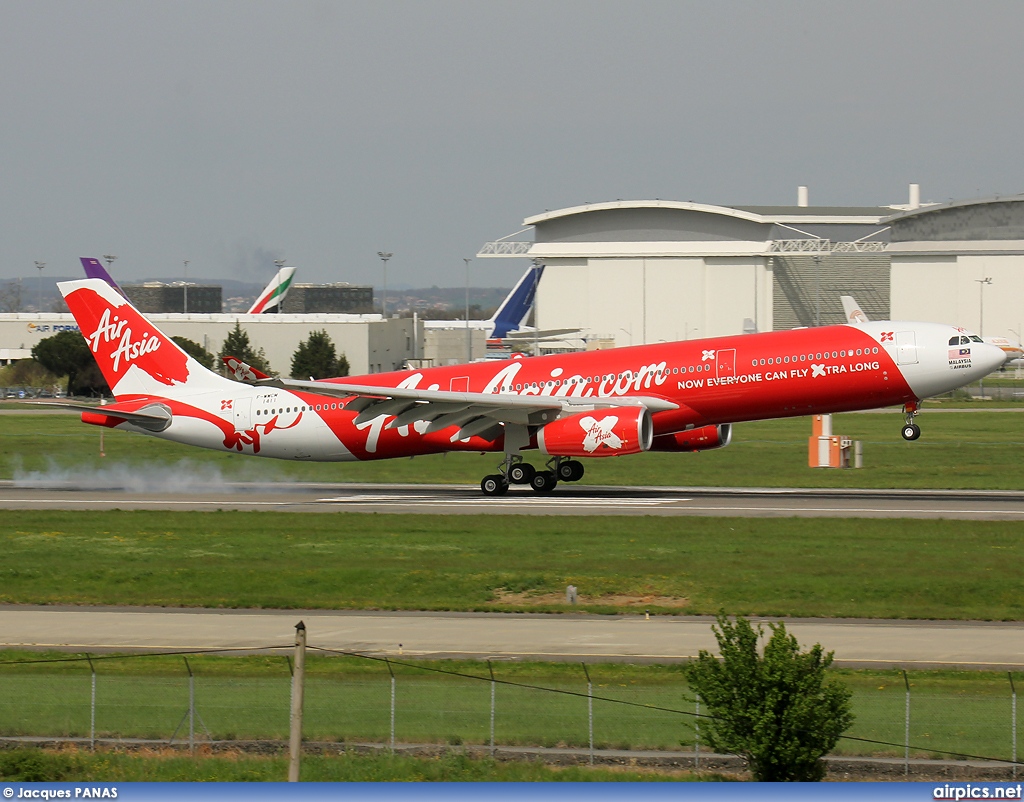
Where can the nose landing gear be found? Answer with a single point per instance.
(911, 431)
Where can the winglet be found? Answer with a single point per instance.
(241, 371)
(853, 314)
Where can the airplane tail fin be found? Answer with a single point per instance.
(273, 294)
(853, 314)
(243, 371)
(135, 357)
(93, 269)
(516, 306)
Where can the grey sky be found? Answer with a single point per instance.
(233, 132)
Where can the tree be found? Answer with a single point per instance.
(316, 357)
(779, 711)
(237, 344)
(67, 354)
(196, 351)
(28, 373)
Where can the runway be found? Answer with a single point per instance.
(499, 636)
(566, 500)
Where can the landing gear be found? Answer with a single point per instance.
(514, 471)
(521, 473)
(570, 471)
(494, 485)
(911, 431)
(543, 481)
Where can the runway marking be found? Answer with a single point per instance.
(532, 501)
(146, 501)
(913, 510)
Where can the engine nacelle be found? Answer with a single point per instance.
(601, 433)
(702, 439)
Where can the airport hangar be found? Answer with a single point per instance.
(632, 272)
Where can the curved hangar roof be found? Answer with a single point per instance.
(725, 229)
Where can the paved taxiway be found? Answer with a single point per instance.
(498, 636)
(566, 500)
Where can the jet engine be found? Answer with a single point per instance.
(600, 433)
(702, 439)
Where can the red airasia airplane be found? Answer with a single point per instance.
(681, 396)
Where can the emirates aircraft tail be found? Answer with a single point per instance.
(273, 294)
(135, 357)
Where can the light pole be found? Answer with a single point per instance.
(469, 333)
(185, 288)
(109, 259)
(384, 256)
(40, 266)
(981, 303)
(981, 319)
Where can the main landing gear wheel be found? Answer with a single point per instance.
(494, 485)
(521, 473)
(543, 481)
(570, 471)
(911, 431)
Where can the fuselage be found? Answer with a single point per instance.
(711, 381)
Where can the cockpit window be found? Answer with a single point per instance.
(954, 341)
(976, 339)
(965, 340)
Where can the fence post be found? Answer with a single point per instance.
(696, 731)
(1013, 721)
(491, 669)
(92, 707)
(590, 711)
(906, 730)
(191, 709)
(298, 679)
(392, 673)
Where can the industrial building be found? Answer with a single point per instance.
(314, 299)
(649, 271)
(156, 297)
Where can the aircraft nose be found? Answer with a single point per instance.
(989, 357)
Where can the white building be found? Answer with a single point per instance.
(649, 271)
(943, 255)
(370, 344)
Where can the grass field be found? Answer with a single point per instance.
(973, 448)
(153, 766)
(348, 700)
(873, 568)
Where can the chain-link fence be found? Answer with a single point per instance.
(192, 699)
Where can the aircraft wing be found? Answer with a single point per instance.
(540, 334)
(474, 413)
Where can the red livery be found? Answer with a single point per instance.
(680, 396)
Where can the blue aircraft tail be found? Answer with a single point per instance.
(516, 306)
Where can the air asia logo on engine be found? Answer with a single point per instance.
(599, 432)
